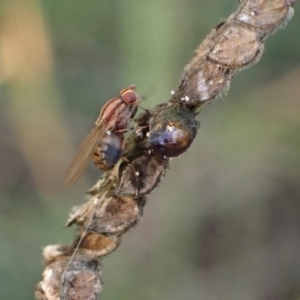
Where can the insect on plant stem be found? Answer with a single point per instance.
(105, 143)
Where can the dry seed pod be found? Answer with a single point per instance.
(95, 244)
(202, 80)
(95, 198)
(265, 15)
(49, 287)
(81, 280)
(79, 214)
(141, 175)
(206, 84)
(116, 216)
(52, 253)
(107, 214)
(237, 46)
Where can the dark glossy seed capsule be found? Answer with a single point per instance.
(172, 139)
(141, 175)
(172, 131)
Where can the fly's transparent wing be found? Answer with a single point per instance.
(84, 153)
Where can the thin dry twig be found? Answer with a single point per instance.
(116, 202)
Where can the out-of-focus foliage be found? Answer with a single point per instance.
(224, 223)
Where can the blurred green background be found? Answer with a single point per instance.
(225, 221)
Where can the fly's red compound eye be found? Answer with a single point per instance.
(129, 97)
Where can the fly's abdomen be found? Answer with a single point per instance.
(109, 151)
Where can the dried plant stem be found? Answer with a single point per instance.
(116, 202)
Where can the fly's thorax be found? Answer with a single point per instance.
(116, 114)
(109, 111)
(124, 115)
